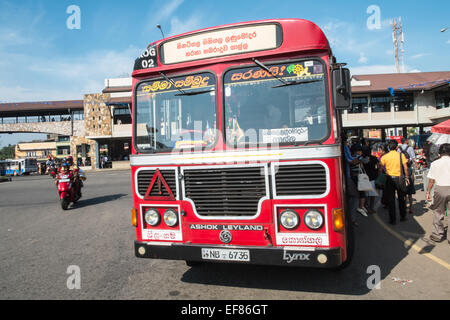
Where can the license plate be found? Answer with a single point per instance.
(64, 180)
(225, 254)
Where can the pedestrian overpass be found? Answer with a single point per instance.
(57, 117)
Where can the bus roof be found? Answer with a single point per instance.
(223, 43)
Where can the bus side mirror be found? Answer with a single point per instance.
(342, 90)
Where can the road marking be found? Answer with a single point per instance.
(409, 244)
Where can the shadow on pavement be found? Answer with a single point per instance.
(419, 208)
(375, 245)
(350, 281)
(99, 200)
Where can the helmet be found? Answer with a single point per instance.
(66, 164)
(69, 160)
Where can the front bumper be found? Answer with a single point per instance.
(279, 256)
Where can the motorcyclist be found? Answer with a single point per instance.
(50, 164)
(77, 174)
(65, 169)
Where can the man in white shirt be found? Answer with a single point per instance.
(439, 175)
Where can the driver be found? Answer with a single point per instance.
(50, 163)
(65, 169)
(78, 175)
(272, 117)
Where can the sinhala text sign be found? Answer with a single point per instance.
(221, 43)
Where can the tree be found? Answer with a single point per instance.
(412, 131)
(7, 152)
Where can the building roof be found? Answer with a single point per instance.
(400, 82)
(41, 106)
(117, 89)
(119, 100)
(36, 145)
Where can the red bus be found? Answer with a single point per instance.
(236, 147)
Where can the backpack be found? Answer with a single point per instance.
(406, 154)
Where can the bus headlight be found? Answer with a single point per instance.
(289, 219)
(152, 217)
(313, 219)
(171, 217)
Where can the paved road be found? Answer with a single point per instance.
(39, 242)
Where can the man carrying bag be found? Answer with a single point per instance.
(439, 176)
(395, 165)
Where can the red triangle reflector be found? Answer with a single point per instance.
(159, 177)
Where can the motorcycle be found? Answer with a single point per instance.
(66, 189)
(52, 169)
(52, 172)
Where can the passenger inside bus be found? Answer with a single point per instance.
(272, 117)
(251, 115)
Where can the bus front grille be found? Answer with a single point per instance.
(144, 178)
(301, 180)
(225, 191)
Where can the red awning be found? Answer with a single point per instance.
(443, 127)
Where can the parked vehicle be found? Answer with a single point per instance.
(17, 167)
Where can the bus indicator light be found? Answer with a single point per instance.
(338, 220)
(134, 217)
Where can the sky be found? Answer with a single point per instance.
(43, 57)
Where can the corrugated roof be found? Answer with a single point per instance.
(41, 105)
(117, 89)
(402, 81)
(119, 100)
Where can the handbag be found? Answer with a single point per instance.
(404, 182)
(364, 181)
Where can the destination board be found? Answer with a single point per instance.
(221, 43)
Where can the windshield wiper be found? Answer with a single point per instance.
(260, 64)
(182, 92)
(284, 82)
(194, 93)
(172, 82)
(295, 82)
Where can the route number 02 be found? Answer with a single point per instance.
(148, 63)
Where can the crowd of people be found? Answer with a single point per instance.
(53, 162)
(390, 167)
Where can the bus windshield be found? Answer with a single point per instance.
(31, 162)
(176, 113)
(285, 107)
